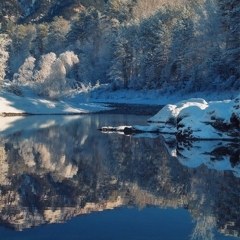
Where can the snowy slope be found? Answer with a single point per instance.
(10, 103)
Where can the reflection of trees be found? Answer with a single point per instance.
(204, 228)
(56, 173)
(4, 167)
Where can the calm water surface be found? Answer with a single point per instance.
(61, 178)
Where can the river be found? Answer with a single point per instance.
(61, 178)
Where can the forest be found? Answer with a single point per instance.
(184, 45)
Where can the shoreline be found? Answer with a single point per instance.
(131, 108)
(114, 108)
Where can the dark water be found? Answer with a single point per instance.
(61, 178)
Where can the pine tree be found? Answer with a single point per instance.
(22, 37)
(123, 66)
(41, 41)
(230, 11)
(154, 37)
(181, 58)
(4, 55)
(58, 31)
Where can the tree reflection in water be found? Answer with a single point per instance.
(52, 172)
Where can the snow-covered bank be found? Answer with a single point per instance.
(198, 119)
(195, 132)
(31, 104)
(193, 119)
(153, 97)
(92, 99)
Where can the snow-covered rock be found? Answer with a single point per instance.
(192, 119)
(130, 129)
(197, 119)
(170, 112)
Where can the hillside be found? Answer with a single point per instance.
(43, 10)
(56, 48)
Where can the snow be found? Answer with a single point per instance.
(155, 97)
(171, 111)
(218, 109)
(10, 103)
(112, 129)
(193, 114)
(193, 118)
(91, 101)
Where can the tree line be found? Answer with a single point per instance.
(184, 45)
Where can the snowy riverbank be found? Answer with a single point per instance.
(11, 104)
(192, 119)
(92, 101)
(194, 116)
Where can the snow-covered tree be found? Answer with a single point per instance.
(230, 11)
(181, 58)
(25, 72)
(45, 65)
(116, 73)
(154, 38)
(182, 44)
(209, 48)
(57, 34)
(54, 84)
(123, 66)
(22, 37)
(41, 40)
(69, 61)
(4, 55)
(54, 77)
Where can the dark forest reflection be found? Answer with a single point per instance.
(54, 172)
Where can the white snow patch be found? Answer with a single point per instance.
(171, 111)
(10, 103)
(194, 116)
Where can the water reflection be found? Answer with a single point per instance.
(62, 167)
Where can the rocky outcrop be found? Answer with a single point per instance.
(197, 119)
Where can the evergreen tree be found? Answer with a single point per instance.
(208, 42)
(154, 37)
(123, 66)
(4, 55)
(230, 12)
(41, 41)
(90, 44)
(22, 37)
(181, 58)
(58, 31)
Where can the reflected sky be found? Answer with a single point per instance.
(61, 173)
